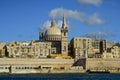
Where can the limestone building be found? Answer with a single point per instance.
(58, 38)
(2, 50)
(96, 45)
(115, 50)
(80, 47)
(31, 49)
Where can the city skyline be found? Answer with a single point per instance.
(22, 20)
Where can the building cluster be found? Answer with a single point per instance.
(54, 41)
(89, 48)
(28, 49)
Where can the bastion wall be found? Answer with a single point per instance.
(16, 65)
(112, 65)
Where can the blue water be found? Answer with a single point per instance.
(60, 77)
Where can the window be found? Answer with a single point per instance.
(62, 68)
(64, 33)
(16, 67)
(64, 48)
(25, 67)
(41, 54)
(6, 67)
(46, 67)
(30, 68)
(1, 67)
(84, 43)
(22, 67)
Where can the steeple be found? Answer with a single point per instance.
(64, 25)
(64, 38)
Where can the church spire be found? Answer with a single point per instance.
(64, 22)
(64, 38)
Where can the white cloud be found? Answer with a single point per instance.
(90, 2)
(59, 23)
(47, 25)
(59, 12)
(82, 17)
(93, 20)
(68, 24)
(99, 35)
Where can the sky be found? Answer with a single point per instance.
(22, 20)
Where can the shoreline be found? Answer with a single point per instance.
(53, 73)
(61, 73)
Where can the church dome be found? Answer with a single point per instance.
(53, 33)
(53, 30)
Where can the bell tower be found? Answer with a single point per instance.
(64, 38)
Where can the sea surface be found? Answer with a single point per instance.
(60, 76)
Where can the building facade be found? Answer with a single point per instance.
(80, 47)
(58, 38)
(31, 49)
(2, 50)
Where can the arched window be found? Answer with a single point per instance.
(64, 33)
(64, 48)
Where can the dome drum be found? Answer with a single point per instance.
(53, 38)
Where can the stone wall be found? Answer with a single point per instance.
(18, 65)
(103, 64)
(18, 61)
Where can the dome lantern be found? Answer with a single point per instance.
(53, 24)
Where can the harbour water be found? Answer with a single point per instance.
(60, 76)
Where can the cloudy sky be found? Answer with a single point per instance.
(21, 20)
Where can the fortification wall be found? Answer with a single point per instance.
(112, 65)
(16, 65)
(18, 61)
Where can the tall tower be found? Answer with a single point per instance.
(102, 46)
(64, 38)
